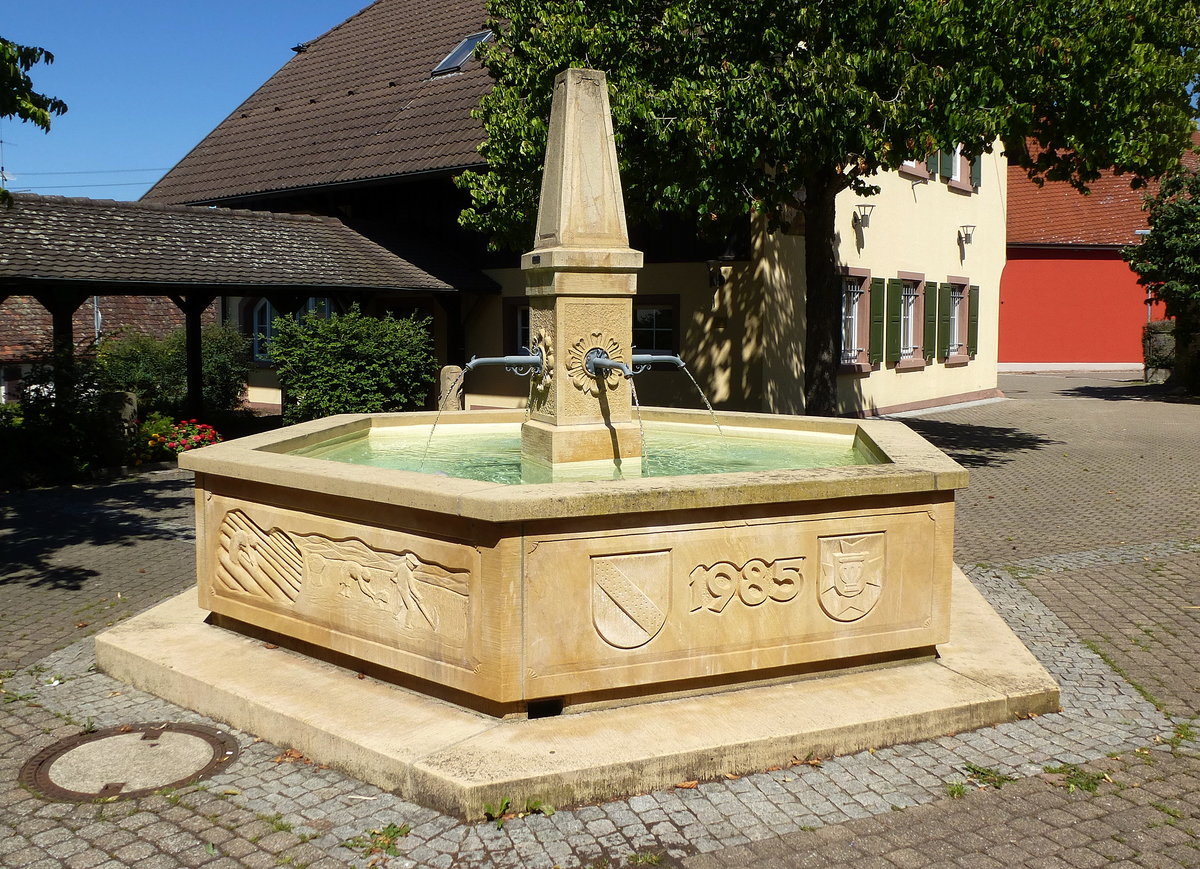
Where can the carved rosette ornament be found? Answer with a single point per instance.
(851, 575)
(539, 384)
(577, 359)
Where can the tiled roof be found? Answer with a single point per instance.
(1057, 213)
(53, 238)
(358, 103)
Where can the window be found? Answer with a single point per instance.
(909, 293)
(457, 59)
(522, 335)
(262, 322)
(858, 338)
(910, 324)
(653, 328)
(655, 324)
(851, 294)
(958, 321)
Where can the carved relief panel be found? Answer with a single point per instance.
(414, 597)
(716, 599)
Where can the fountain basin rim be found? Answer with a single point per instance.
(911, 464)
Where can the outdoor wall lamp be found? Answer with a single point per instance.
(864, 213)
(718, 272)
(966, 232)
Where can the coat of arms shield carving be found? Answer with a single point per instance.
(630, 597)
(851, 575)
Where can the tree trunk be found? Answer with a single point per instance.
(823, 299)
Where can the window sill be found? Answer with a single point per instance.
(957, 360)
(856, 368)
(910, 365)
(916, 173)
(961, 186)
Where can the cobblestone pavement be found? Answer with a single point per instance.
(1080, 527)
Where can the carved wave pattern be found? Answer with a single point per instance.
(257, 562)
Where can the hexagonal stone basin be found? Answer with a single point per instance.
(492, 453)
(508, 598)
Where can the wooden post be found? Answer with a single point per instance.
(62, 305)
(193, 305)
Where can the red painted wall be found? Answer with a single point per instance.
(1070, 305)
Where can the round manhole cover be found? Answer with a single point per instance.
(128, 761)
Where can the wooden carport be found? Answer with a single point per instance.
(62, 250)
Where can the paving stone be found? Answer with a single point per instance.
(1074, 559)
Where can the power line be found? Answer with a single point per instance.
(63, 186)
(99, 171)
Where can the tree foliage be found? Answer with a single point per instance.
(17, 97)
(352, 363)
(724, 108)
(1167, 261)
(155, 369)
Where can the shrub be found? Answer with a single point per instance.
(352, 363)
(63, 437)
(155, 369)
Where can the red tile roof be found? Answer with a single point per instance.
(53, 238)
(357, 104)
(1057, 213)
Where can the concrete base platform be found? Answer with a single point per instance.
(457, 760)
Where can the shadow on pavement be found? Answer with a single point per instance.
(978, 446)
(36, 525)
(1134, 390)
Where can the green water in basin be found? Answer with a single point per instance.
(492, 453)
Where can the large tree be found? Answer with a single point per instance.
(1167, 262)
(17, 96)
(724, 107)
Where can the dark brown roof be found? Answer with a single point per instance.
(358, 103)
(54, 238)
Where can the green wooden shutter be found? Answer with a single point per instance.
(977, 171)
(973, 320)
(895, 291)
(946, 163)
(875, 344)
(931, 163)
(929, 336)
(945, 304)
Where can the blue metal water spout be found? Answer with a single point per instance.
(531, 362)
(643, 361)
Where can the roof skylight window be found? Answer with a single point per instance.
(457, 59)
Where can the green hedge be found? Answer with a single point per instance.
(352, 363)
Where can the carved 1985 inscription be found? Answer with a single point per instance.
(753, 583)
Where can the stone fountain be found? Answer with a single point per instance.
(574, 640)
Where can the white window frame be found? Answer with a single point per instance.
(909, 327)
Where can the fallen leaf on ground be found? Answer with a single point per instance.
(731, 776)
(688, 785)
(292, 755)
(270, 646)
(81, 624)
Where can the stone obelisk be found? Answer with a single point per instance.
(580, 280)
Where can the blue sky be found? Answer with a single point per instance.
(144, 81)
